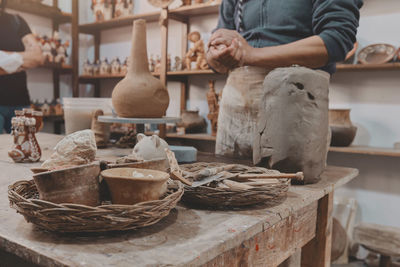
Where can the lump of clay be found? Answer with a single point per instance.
(149, 148)
(292, 131)
(75, 149)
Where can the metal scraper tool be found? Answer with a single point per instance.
(217, 177)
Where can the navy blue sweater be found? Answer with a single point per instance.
(276, 22)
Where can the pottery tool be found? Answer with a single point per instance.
(212, 171)
(296, 176)
(175, 171)
(217, 177)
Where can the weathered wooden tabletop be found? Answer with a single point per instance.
(263, 236)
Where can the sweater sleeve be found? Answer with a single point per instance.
(336, 22)
(226, 15)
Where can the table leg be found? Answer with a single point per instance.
(385, 261)
(163, 130)
(292, 261)
(317, 252)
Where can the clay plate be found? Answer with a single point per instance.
(160, 3)
(128, 190)
(377, 54)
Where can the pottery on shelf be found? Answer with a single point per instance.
(77, 185)
(192, 122)
(139, 94)
(129, 186)
(343, 131)
(377, 54)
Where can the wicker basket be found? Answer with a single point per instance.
(70, 218)
(230, 198)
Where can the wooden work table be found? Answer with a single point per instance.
(259, 236)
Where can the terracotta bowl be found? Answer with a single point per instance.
(77, 185)
(128, 190)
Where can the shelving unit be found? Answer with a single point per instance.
(58, 18)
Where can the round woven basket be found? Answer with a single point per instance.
(70, 218)
(231, 198)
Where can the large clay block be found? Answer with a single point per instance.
(293, 131)
(78, 148)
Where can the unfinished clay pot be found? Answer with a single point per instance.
(77, 185)
(139, 94)
(343, 131)
(192, 122)
(127, 187)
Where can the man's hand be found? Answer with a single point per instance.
(227, 49)
(32, 55)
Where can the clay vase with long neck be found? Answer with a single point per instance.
(139, 94)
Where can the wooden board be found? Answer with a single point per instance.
(187, 237)
(365, 150)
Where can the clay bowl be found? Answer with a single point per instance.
(128, 190)
(158, 165)
(377, 54)
(77, 185)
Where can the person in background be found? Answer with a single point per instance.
(255, 36)
(19, 51)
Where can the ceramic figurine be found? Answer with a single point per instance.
(139, 94)
(115, 66)
(178, 64)
(149, 148)
(157, 67)
(160, 3)
(61, 52)
(105, 67)
(123, 8)
(213, 106)
(169, 62)
(25, 147)
(58, 107)
(196, 53)
(124, 67)
(96, 68)
(46, 50)
(45, 108)
(152, 64)
(87, 68)
(102, 9)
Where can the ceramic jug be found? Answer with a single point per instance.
(139, 94)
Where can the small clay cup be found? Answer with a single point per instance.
(128, 190)
(77, 185)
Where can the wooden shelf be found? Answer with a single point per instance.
(63, 69)
(363, 67)
(365, 150)
(171, 74)
(40, 10)
(362, 150)
(186, 12)
(92, 28)
(200, 136)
